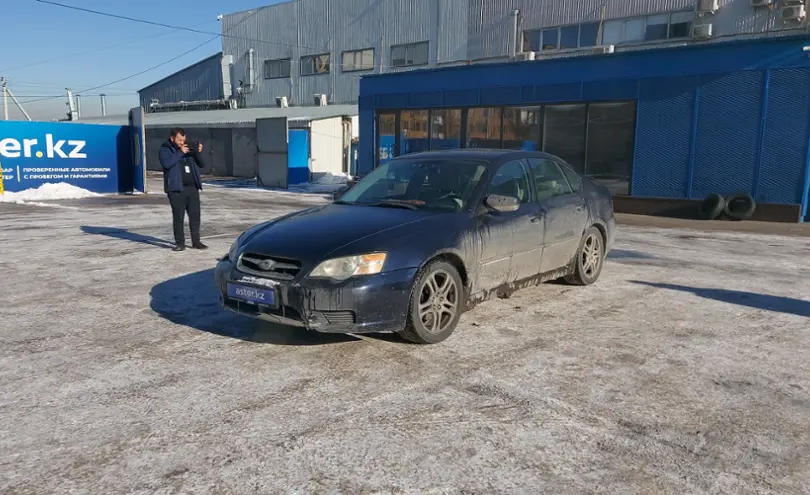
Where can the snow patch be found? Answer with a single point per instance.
(46, 192)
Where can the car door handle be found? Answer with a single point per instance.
(536, 219)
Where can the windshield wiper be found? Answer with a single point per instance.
(339, 202)
(395, 203)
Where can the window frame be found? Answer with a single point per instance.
(412, 46)
(269, 62)
(307, 59)
(360, 51)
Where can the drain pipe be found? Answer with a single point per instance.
(513, 45)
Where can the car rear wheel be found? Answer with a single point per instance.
(436, 304)
(589, 260)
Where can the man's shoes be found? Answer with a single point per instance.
(179, 247)
(199, 245)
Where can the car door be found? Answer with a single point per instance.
(564, 212)
(511, 242)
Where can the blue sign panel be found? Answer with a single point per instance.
(298, 157)
(84, 155)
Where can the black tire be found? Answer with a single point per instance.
(712, 207)
(740, 206)
(416, 329)
(584, 272)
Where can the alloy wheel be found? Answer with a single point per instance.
(438, 301)
(591, 255)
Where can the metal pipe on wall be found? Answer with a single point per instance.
(513, 45)
(79, 106)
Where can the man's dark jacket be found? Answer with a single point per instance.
(173, 160)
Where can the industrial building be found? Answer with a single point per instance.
(665, 99)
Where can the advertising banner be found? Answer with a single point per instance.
(84, 155)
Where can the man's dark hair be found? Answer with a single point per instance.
(178, 130)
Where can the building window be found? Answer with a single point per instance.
(521, 128)
(414, 125)
(277, 69)
(358, 60)
(386, 137)
(315, 64)
(654, 27)
(611, 132)
(484, 128)
(564, 133)
(649, 28)
(445, 129)
(409, 55)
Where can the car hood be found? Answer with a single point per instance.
(312, 234)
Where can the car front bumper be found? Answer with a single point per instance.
(368, 304)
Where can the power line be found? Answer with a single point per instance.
(172, 26)
(87, 52)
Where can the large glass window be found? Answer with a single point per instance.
(445, 129)
(611, 130)
(569, 37)
(431, 184)
(521, 128)
(484, 128)
(564, 133)
(414, 125)
(386, 137)
(680, 24)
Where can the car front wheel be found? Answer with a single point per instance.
(435, 305)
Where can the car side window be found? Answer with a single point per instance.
(512, 179)
(549, 180)
(573, 178)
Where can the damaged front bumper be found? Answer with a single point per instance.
(368, 304)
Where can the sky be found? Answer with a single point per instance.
(47, 48)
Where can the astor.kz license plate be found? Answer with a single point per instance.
(252, 295)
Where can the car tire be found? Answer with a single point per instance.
(740, 206)
(711, 207)
(589, 259)
(436, 304)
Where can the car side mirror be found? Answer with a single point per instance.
(502, 204)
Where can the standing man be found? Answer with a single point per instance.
(182, 183)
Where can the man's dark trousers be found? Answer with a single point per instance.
(187, 200)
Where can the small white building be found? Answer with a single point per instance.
(279, 146)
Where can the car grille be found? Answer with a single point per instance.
(268, 266)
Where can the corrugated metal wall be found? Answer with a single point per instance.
(716, 118)
(199, 82)
(458, 30)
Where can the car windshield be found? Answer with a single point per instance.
(432, 184)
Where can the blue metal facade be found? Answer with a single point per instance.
(723, 117)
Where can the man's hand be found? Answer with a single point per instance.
(199, 147)
(184, 149)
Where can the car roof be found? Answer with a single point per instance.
(489, 154)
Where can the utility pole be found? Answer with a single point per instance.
(7, 93)
(79, 106)
(103, 105)
(72, 114)
(5, 98)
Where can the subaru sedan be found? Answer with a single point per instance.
(418, 241)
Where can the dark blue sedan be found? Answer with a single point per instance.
(419, 240)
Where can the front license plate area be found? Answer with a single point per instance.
(252, 295)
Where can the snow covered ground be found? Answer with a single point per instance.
(683, 370)
(46, 192)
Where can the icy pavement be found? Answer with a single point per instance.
(683, 370)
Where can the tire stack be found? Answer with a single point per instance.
(737, 207)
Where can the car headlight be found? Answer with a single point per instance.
(350, 266)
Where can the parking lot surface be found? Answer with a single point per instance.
(684, 369)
